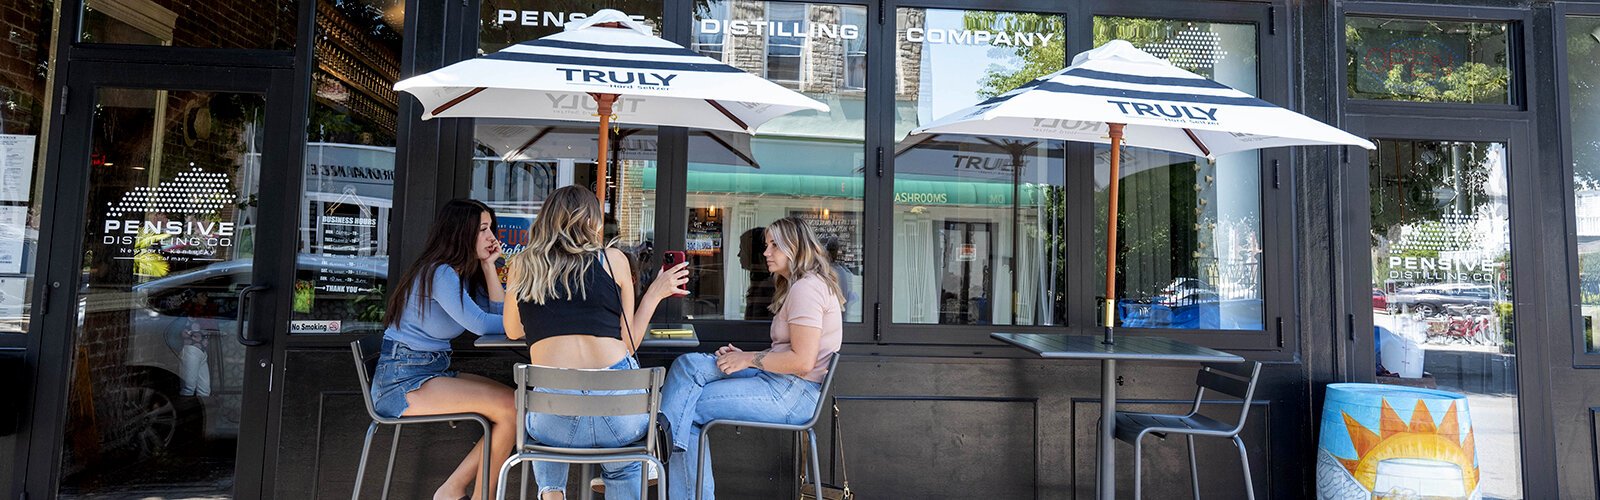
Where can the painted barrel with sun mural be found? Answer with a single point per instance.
(1390, 442)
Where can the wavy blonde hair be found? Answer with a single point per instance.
(565, 237)
(794, 237)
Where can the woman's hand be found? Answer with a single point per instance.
(494, 254)
(727, 349)
(491, 274)
(730, 362)
(669, 283)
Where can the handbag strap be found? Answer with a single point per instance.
(838, 443)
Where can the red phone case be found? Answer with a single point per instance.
(672, 258)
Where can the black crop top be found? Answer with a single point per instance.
(597, 313)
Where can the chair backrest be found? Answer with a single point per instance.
(1234, 379)
(827, 386)
(365, 350)
(642, 394)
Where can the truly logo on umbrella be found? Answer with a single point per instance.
(1168, 112)
(1068, 125)
(614, 78)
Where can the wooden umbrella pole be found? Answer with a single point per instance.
(1111, 231)
(603, 104)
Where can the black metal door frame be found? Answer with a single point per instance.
(278, 198)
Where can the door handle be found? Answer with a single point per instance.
(244, 312)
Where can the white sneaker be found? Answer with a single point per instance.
(599, 485)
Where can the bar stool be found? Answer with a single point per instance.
(365, 351)
(1234, 380)
(806, 429)
(642, 387)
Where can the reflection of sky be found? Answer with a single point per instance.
(959, 69)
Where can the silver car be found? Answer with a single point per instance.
(184, 349)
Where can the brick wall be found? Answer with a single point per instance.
(256, 24)
(908, 67)
(824, 61)
(24, 48)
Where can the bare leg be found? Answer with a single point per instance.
(468, 393)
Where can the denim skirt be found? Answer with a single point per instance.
(402, 370)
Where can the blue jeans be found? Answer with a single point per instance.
(621, 478)
(698, 392)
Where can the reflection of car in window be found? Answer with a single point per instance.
(1186, 291)
(1436, 299)
(183, 341)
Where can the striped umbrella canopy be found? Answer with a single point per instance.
(602, 68)
(1119, 95)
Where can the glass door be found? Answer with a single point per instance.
(1430, 236)
(167, 365)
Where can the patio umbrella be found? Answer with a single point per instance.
(514, 141)
(1119, 95)
(605, 67)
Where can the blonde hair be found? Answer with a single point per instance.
(561, 248)
(806, 255)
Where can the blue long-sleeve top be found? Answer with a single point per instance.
(444, 314)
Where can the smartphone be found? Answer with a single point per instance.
(672, 258)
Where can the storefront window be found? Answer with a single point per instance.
(1189, 245)
(979, 222)
(1427, 60)
(806, 164)
(226, 24)
(517, 163)
(342, 269)
(1442, 292)
(24, 116)
(1583, 83)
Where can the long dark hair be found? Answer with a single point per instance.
(452, 241)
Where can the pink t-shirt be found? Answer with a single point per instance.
(810, 303)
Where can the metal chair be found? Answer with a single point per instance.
(365, 352)
(807, 429)
(645, 385)
(1237, 380)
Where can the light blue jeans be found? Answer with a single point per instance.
(621, 478)
(698, 392)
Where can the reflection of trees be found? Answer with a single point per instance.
(1416, 75)
(1583, 60)
(1415, 182)
(380, 25)
(1026, 62)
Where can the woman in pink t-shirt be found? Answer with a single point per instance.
(780, 384)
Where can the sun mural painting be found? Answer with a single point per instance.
(1387, 456)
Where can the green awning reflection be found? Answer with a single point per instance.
(907, 192)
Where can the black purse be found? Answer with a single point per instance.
(829, 491)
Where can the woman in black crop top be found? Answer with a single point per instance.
(572, 297)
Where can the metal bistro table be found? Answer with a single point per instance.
(1126, 348)
(653, 338)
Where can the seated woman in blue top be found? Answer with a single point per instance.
(574, 300)
(453, 287)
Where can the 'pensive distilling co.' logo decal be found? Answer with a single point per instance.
(177, 218)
